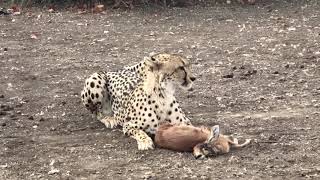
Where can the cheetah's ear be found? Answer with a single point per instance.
(153, 63)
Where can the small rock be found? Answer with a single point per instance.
(53, 171)
(30, 118)
(41, 119)
(301, 66)
(152, 33)
(279, 97)
(250, 72)
(287, 66)
(16, 13)
(5, 49)
(3, 124)
(282, 79)
(51, 10)
(228, 75)
(302, 81)
(273, 137)
(275, 72)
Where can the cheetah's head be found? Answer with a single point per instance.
(172, 68)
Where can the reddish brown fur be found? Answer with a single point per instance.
(180, 138)
(194, 139)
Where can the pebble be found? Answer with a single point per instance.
(53, 171)
(228, 75)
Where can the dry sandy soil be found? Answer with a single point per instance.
(258, 70)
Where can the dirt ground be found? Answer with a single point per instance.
(258, 77)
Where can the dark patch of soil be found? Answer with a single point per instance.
(258, 70)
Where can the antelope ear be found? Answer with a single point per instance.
(153, 63)
(214, 133)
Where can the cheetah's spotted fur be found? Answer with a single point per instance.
(140, 97)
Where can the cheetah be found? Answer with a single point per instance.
(140, 97)
(202, 141)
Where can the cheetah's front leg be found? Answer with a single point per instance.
(143, 140)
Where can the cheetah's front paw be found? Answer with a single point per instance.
(145, 144)
(109, 122)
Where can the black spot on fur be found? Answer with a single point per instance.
(97, 95)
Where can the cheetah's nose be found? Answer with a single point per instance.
(192, 78)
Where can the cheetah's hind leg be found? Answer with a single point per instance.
(106, 115)
(110, 121)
